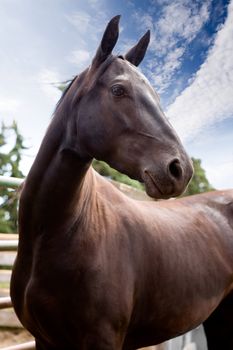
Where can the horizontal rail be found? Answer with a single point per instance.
(8, 236)
(5, 302)
(12, 182)
(9, 245)
(25, 346)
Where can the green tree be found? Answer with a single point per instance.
(10, 157)
(105, 170)
(199, 182)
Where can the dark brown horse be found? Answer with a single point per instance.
(95, 269)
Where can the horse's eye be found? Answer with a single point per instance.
(118, 90)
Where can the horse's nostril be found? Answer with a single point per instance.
(175, 169)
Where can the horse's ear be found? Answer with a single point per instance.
(108, 41)
(137, 53)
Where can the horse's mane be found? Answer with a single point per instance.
(80, 77)
(70, 82)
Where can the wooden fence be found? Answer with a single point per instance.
(9, 244)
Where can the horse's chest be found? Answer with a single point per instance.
(67, 284)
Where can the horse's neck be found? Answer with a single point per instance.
(59, 183)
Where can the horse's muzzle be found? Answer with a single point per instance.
(168, 181)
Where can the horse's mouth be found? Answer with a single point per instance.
(153, 187)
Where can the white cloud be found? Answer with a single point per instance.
(181, 20)
(95, 4)
(178, 25)
(86, 24)
(165, 70)
(81, 20)
(214, 147)
(48, 79)
(220, 175)
(9, 105)
(209, 98)
(80, 58)
(88, 30)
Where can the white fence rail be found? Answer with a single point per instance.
(25, 346)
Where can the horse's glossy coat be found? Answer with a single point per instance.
(95, 269)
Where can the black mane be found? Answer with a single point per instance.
(70, 82)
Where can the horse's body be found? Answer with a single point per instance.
(97, 270)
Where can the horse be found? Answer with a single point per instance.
(96, 269)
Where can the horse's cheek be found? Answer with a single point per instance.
(91, 136)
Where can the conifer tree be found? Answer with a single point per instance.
(11, 148)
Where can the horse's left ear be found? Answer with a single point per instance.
(108, 41)
(137, 53)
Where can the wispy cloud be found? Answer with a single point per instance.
(179, 23)
(180, 20)
(95, 4)
(48, 79)
(85, 23)
(9, 105)
(80, 57)
(81, 20)
(86, 26)
(209, 96)
(221, 174)
(163, 72)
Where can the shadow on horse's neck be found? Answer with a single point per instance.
(60, 177)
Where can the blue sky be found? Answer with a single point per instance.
(189, 62)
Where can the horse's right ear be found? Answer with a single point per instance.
(108, 41)
(137, 53)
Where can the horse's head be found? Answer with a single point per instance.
(119, 120)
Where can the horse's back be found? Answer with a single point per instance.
(187, 249)
(218, 205)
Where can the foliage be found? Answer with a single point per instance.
(10, 157)
(104, 169)
(199, 182)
